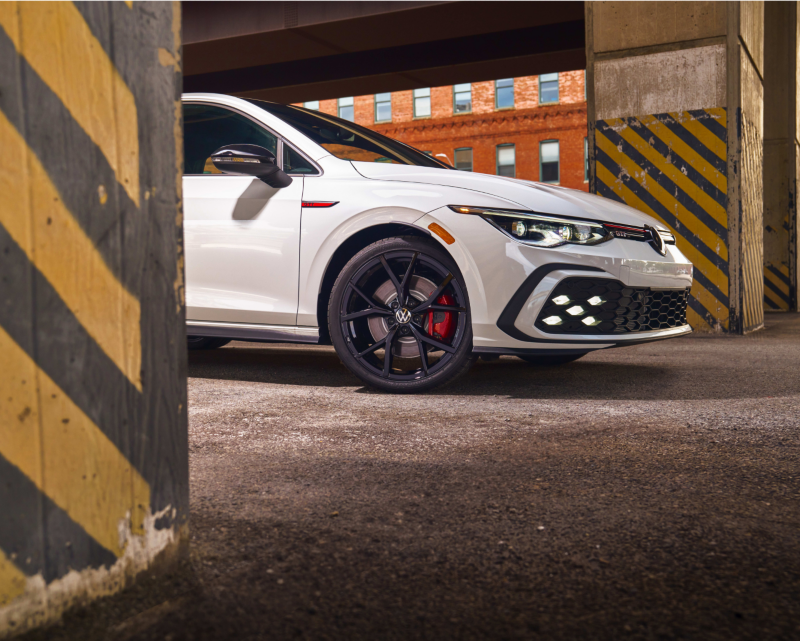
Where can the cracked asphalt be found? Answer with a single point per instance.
(650, 492)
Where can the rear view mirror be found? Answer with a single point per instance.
(251, 160)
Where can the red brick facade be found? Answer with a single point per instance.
(524, 125)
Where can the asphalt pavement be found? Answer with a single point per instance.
(649, 492)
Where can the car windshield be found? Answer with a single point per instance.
(347, 140)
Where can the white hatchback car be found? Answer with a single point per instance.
(302, 227)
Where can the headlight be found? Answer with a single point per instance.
(541, 230)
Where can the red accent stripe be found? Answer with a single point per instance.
(639, 229)
(318, 203)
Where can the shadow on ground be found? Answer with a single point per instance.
(695, 367)
(647, 493)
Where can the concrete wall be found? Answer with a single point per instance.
(780, 155)
(676, 121)
(93, 440)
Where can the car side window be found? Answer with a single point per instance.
(294, 163)
(206, 128)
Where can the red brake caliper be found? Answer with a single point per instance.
(441, 325)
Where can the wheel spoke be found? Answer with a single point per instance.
(372, 311)
(375, 346)
(431, 341)
(407, 278)
(394, 280)
(387, 354)
(372, 302)
(423, 355)
(433, 297)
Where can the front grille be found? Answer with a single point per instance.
(602, 306)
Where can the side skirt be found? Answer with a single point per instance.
(251, 332)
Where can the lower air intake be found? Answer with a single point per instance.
(603, 306)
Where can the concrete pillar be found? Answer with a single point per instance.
(675, 108)
(93, 438)
(780, 155)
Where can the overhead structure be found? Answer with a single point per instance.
(297, 51)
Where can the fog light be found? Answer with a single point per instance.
(591, 321)
(553, 320)
(577, 309)
(561, 300)
(595, 300)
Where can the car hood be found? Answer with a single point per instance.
(525, 194)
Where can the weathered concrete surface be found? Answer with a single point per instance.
(93, 422)
(647, 492)
(780, 155)
(631, 25)
(664, 57)
(657, 83)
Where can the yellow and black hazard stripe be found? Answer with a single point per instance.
(673, 167)
(777, 287)
(89, 444)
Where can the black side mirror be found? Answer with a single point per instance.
(251, 160)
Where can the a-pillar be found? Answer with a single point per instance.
(675, 108)
(781, 161)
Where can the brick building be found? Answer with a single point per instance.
(533, 127)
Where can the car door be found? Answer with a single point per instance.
(242, 237)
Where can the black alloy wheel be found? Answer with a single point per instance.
(205, 342)
(552, 361)
(399, 316)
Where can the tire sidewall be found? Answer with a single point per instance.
(461, 358)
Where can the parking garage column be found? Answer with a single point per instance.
(781, 159)
(675, 93)
(93, 425)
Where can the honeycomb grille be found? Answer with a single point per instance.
(603, 306)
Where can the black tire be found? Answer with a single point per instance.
(205, 342)
(403, 291)
(552, 361)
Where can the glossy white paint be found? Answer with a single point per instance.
(242, 249)
(267, 267)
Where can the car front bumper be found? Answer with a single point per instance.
(510, 282)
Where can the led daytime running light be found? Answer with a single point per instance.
(540, 230)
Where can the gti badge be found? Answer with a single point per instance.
(655, 240)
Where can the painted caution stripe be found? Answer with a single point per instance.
(776, 287)
(38, 221)
(30, 551)
(56, 41)
(86, 475)
(98, 204)
(12, 580)
(71, 379)
(672, 166)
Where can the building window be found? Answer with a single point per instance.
(585, 160)
(506, 161)
(346, 109)
(548, 161)
(383, 107)
(462, 98)
(422, 103)
(504, 93)
(313, 104)
(464, 159)
(548, 88)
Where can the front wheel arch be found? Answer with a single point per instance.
(349, 248)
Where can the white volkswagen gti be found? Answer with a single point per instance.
(302, 227)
